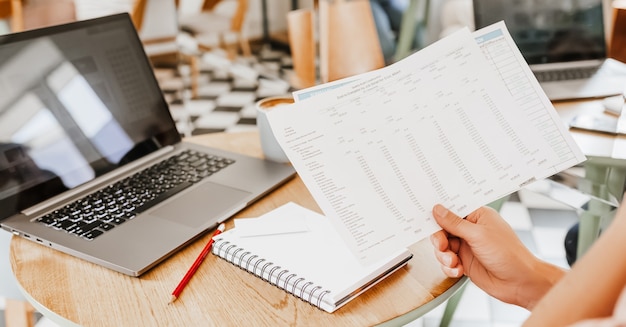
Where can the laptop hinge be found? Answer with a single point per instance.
(566, 65)
(97, 183)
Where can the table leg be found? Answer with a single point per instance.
(604, 182)
(265, 26)
(451, 306)
(408, 27)
(265, 21)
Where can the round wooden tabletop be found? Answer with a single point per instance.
(71, 291)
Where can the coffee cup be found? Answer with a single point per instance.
(271, 149)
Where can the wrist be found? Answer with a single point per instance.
(544, 276)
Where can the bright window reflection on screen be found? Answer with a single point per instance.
(48, 145)
(89, 113)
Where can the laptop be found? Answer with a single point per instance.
(563, 42)
(91, 162)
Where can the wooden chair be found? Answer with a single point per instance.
(348, 39)
(41, 13)
(18, 314)
(218, 22)
(157, 24)
(137, 13)
(301, 30)
(13, 10)
(617, 40)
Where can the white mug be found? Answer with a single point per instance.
(271, 149)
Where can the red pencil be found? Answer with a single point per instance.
(195, 265)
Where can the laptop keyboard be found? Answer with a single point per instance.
(94, 214)
(565, 74)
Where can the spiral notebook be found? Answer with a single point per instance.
(307, 259)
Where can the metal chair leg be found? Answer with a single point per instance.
(451, 306)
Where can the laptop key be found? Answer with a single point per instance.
(92, 234)
(87, 227)
(64, 224)
(105, 226)
(162, 197)
(118, 221)
(101, 211)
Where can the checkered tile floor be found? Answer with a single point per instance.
(226, 91)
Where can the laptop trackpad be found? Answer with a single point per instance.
(201, 204)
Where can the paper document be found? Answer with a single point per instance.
(440, 126)
(310, 92)
(503, 55)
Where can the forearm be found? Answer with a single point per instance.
(574, 299)
(591, 288)
(543, 278)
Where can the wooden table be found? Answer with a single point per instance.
(606, 154)
(598, 147)
(71, 291)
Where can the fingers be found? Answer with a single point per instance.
(447, 258)
(483, 213)
(442, 241)
(455, 244)
(445, 253)
(450, 222)
(439, 240)
(455, 272)
(447, 247)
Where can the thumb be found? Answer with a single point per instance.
(450, 222)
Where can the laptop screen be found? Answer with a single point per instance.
(549, 31)
(78, 100)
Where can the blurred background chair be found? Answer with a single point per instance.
(18, 314)
(301, 33)
(348, 41)
(13, 10)
(617, 44)
(25, 15)
(217, 24)
(157, 24)
(344, 42)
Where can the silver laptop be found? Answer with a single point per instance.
(562, 41)
(91, 163)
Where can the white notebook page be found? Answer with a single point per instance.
(318, 259)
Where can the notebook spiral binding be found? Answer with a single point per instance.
(270, 272)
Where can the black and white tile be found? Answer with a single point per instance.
(226, 90)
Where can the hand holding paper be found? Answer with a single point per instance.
(441, 126)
